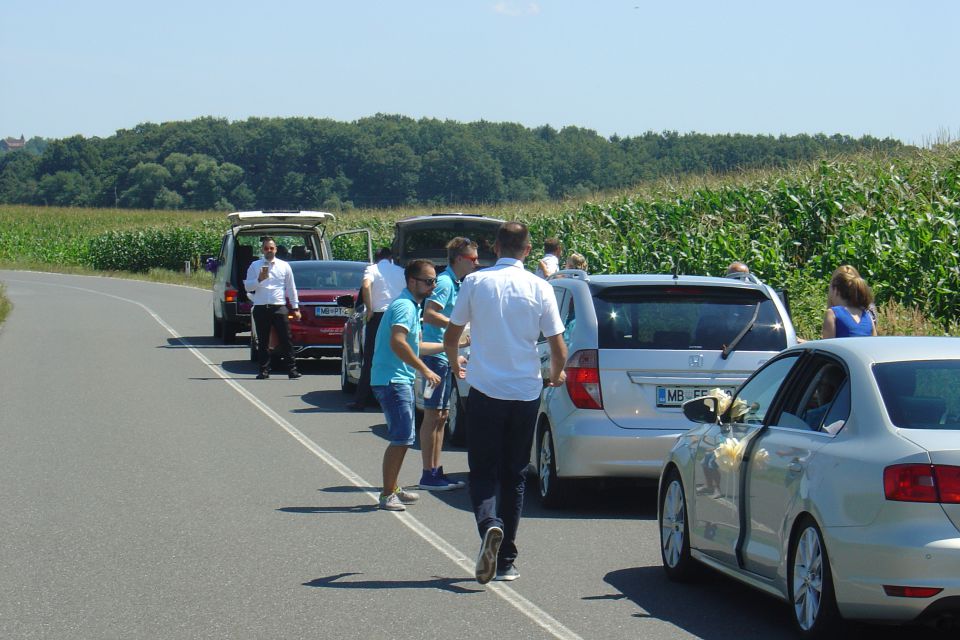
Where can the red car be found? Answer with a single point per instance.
(319, 332)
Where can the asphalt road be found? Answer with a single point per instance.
(150, 487)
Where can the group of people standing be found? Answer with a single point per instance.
(415, 323)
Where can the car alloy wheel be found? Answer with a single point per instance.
(811, 584)
(552, 489)
(345, 385)
(674, 530)
(456, 423)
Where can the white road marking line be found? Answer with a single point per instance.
(520, 603)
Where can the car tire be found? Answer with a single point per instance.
(345, 385)
(675, 530)
(217, 327)
(457, 419)
(552, 490)
(810, 584)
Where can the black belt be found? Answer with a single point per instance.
(271, 306)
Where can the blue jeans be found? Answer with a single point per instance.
(499, 438)
(441, 395)
(397, 402)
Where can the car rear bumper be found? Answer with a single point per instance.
(593, 447)
(918, 553)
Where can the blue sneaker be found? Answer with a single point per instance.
(457, 484)
(432, 481)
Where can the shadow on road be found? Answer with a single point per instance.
(360, 508)
(438, 583)
(715, 607)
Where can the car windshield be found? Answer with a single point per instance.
(290, 246)
(323, 275)
(921, 394)
(685, 317)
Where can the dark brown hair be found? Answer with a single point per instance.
(513, 238)
(459, 246)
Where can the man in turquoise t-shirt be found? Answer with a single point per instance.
(461, 261)
(396, 360)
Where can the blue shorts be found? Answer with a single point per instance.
(398, 404)
(441, 395)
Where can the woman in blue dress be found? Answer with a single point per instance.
(850, 299)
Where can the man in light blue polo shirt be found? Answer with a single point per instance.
(396, 359)
(461, 261)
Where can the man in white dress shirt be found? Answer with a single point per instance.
(507, 308)
(383, 281)
(270, 284)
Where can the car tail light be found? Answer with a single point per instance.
(922, 483)
(911, 592)
(583, 380)
(230, 295)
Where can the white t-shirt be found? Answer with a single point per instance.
(552, 263)
(507, 308)
(386, 282)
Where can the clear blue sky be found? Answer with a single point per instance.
(883, 67)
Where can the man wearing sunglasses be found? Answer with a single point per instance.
(396, 360)
(461, 261)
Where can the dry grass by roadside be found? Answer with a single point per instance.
(5, 304)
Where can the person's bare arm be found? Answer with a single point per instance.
(432, 315)
(829, 325)
(558, 360)
(399, 345)
(367, 297)
(451, 345)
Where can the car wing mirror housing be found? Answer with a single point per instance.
(705, 409)
(346, 301)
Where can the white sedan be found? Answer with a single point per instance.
(830, 480)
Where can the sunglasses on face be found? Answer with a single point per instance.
(472, 259)
(427, 281)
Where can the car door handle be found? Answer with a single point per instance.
(795, 466)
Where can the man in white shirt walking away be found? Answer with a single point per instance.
(507, 308)
(270, 284)
(383, 281)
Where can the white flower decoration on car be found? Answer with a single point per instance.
(730, 453)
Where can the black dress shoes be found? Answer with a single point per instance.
(263, 375)
(293, 374)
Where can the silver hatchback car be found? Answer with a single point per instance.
(831, 480)
(640, 345)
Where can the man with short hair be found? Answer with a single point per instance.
(270, 284)
(461, 261)
(508, 308)
(382, 283)
(395, 365)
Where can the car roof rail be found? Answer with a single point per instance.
(577, 274)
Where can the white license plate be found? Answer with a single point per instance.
(329, 311)
(676, 396)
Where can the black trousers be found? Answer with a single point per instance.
(499, 438)
(272, 316)
(364, 392)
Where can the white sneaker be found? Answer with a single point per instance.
(392, 503)
(406, 497)
(487, 558)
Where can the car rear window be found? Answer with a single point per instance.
(311, 275)
(921, 394)
(430, 243)
(683, 317)
(290, 246)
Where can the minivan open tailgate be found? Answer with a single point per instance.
(643, 389)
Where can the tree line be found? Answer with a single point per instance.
(380, 161)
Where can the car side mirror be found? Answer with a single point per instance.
(345, 301)
(705, 409)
